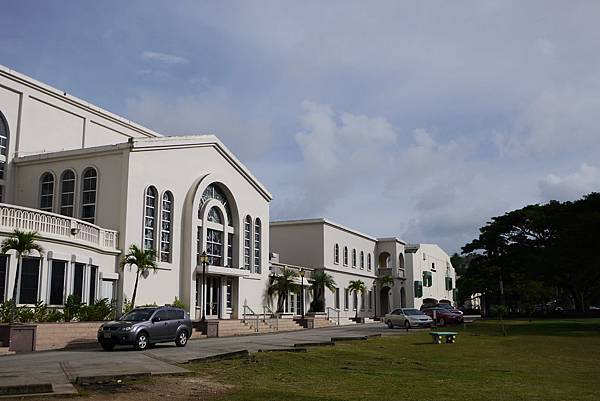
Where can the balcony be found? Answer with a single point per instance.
(392, 272)
(57, 227)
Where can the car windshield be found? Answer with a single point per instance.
(138, 315)
(446, 306)
(413, 312)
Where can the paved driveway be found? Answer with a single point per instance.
(60, 368)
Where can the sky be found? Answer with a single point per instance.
(415, 119)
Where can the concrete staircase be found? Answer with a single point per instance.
(344, 321)
(233, 327)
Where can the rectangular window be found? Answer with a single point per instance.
(427, 279)
(3, 269)
(78, 281)
(229, 294)
(346, 298)
(214, 247)
(30, 274)
(247, 245)
(230, 250)
(363, 301)
(336, 301)
(418, 289)
(433, 266)
(93, 274)
(1, 193)
(57, 282)
(2, 167)
(370, 300)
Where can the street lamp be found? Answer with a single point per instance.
(204, 261)
(375, 297)
(302, 290)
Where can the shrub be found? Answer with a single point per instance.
(40, 311)
(54, 315)
(178, 304)
(25, 314)
(127, 305)
(99, 310)
(72, 308)
(6, 311)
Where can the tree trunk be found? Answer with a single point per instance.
(137, 277)
(13, 314)
(280, 302)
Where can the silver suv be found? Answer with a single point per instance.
(144, 327)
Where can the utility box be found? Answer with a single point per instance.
(22, 337)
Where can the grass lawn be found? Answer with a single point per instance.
(542, 360)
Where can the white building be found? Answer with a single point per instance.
(92, 183)
(349, 255)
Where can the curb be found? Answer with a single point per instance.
(20, 389)
(284, 350)
(87, 380)
(355, 338)
(316, 344)
(218, 357)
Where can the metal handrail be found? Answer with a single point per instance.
(329, 308)
(253, 314)
(266, 309)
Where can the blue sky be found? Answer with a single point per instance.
(420, 119)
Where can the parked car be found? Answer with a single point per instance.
(450, 308)
(443, 316)
(144, 327)
(408, 318)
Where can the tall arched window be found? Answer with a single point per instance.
(166, 227)
(214, 192)
(3, 152)
(150, 201)
(67, 193)
(362, 260)
(336, 254)
(345, 256)
(369, 261)
(88, 195)
(257, 244)
(214, 238)
(354, 258)
(47, 192)
(247, 242)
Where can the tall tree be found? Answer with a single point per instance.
(24, 244)
(320, 280)
(356, 286)
(282, 285)
(143, 259)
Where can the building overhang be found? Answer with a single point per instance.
(223, 271)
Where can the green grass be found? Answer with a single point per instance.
(541, 360)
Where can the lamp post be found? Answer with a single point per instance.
(375, 297)
(302, 290)
(204, 261)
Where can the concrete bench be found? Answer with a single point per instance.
(438, 335)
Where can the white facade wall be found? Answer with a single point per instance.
(419, 259)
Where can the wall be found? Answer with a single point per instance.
(298, 244)
(417, 264)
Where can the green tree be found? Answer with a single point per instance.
(143, 259)
(24, 244)
(282, 285)
(319, 281)
(385, 281)
(357, 286)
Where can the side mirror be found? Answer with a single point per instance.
(155, 319)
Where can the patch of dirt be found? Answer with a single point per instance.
(158, 388)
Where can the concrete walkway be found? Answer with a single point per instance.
(40, 371)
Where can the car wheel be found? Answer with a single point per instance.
(141, 341)
(390, 324)
(181, 339)
(107, 345)
(406, 324)
(441, 321)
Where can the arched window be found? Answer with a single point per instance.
(3, 152)
(257, 244)
(47, 192)
(150, 201)
(362, 260)
(354, 258)
(166, 227)
(247, 242)
(369, 261)
(67, 193)
(214, 238)
(345, 256)
(336, 254)
(88, 195)
(214, 192)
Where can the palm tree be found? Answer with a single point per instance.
(282, 285)
(143, 259)
(320, 281)
(23, 243)
(386, 281)
(356, 286)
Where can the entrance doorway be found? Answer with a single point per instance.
(402, 298)
(213, 297)
(385, 300)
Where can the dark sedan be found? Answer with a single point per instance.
(443, 316)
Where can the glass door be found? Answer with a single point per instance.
(213, 297)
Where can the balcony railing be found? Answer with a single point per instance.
(392, 272)
(55, 226)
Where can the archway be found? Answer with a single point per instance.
(384, 300)
(384, 260)
(402, 298)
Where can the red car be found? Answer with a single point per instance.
(443, 316)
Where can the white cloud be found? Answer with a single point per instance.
(571, 186)
(163, 58)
